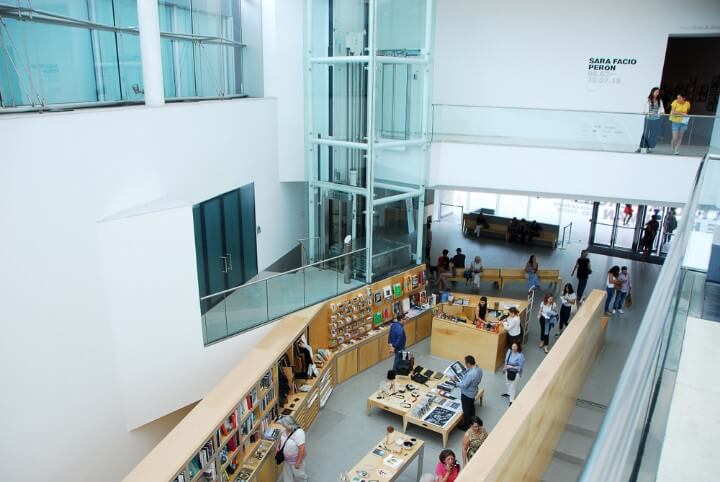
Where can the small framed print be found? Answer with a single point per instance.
(387, 292)
(378, 297)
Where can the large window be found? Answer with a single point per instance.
(55, 52)
(47, 57)
(202, 57)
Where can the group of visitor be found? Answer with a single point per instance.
(654, 110)
(522, 231)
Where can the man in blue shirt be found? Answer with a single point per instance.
(468, 390)
(396, 339)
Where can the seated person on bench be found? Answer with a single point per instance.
(481, 223)
(458, 260)
(534, 230)
(444, 271)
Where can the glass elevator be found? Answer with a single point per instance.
(367, 89)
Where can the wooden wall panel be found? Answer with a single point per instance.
(410, 338)
(385, 346)
(521, 445)
(347, 365)
(424, 325)
(368, 354)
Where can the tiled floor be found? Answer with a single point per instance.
(342, 433)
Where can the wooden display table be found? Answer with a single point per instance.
(374, 467)
(403, 403)
(452, 340)
(488, 274)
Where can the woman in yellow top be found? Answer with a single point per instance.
(679, 120)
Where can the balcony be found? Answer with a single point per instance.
(566, 129)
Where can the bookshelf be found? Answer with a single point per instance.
(223, 438)
(231, 454)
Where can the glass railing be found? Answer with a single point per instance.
(568, 129)
(239, 309)
(629, 442)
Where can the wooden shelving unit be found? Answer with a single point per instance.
(241, 454)
(236, 449)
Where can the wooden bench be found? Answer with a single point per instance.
(551, 276)
(497, 229)
(488, 274)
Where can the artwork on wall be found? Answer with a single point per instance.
(378, 297)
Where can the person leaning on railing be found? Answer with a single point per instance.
(653, 109)
(679, 120)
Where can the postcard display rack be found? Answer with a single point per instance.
(353, 317)
(241, 444)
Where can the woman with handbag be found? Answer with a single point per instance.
(291, 450)
(514, 363)
(548, 316)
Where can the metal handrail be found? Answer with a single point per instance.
(613, 449)
(558, 110)
(562, 243)
(294, 270)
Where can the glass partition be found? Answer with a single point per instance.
(630, 438)
(593, 130)
(251, 305)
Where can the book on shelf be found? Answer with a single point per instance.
(181, 477)
(266, 380)
(229, 424)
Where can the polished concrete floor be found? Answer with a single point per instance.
(343, 434)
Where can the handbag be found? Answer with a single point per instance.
(511, 374)
(280, 454)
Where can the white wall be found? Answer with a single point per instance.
(565, 173)
(283, 71)
(61, 411)
(536, 54)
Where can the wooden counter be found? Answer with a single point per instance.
(452, 341)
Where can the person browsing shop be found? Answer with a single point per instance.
(481, 311)
(396, 339)
(514, 363)
(473, 439)
(468, 390)
(292, 444)
(512, 326)
(447, 470)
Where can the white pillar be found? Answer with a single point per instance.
(150, 52)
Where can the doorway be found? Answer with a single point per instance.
(691, 68)
(225, 241)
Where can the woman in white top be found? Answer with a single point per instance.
(512, 326)
(548, 315)
(611, 284)
(476, 267)
(568, 299)
(292, 443)
(654, 110)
